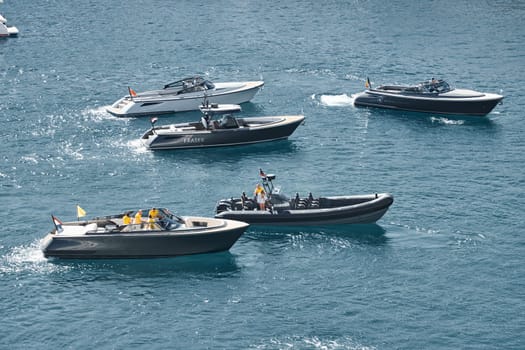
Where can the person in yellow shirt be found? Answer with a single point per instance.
(138, 218)
(260, 197)
(154, 213)
(126, 220)
(151, 222)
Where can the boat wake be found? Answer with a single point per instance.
(336, 100)
(311, 342)
(446, 121)
(26, 259)
(137, 147)
(98, 114)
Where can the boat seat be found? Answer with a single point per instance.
(79, 230)
(301, 204)
(312, 202)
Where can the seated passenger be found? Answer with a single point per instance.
(151, 222)
(244, 200)
(138, 218)
(228, 122)
(154, 212)
(126, 220)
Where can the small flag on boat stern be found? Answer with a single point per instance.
(132, 92)
(57, 223)
(367, 83)
(80, 212)
(261, 173)
(154, 120)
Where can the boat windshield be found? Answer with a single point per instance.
(277, 196)
(434, 86)
(190, 84)
(228, 122)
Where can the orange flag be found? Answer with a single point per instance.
(367, 83)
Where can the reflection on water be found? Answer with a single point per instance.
(214, 264)
(372, 234)
(230, 154)
(430, 118)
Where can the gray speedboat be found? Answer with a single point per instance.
(167, 235)
(433, 96)
(227, 131)
(304, 211)
(183, 95)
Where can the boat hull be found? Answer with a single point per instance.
(476, 106)
(144, 244)
(281, 128)
(6, 31)
(224, 93)
(369, 210)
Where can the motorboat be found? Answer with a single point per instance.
(6, 31)
(183, 95)
(212, 131)
(279, 209)
(166, 235)
(432, 96)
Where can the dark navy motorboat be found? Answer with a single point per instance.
(303, 211)
(165, 235)
(226, 131)
(432, 96)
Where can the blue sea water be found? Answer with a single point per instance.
(443, 268)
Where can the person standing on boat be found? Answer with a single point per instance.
(260, 196)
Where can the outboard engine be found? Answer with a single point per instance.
(223, 205)
(235, 204)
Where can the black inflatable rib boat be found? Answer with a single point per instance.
(298, 211)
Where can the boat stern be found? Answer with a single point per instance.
(148, 138)
(122, 107)
(366, 98)
(12, 31)
(46, 243)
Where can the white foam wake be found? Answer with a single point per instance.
(98, 114)
(446, 121)
(336, 100)
(26, 259)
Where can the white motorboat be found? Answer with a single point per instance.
(183, 95)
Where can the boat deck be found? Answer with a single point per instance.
(116, 225)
